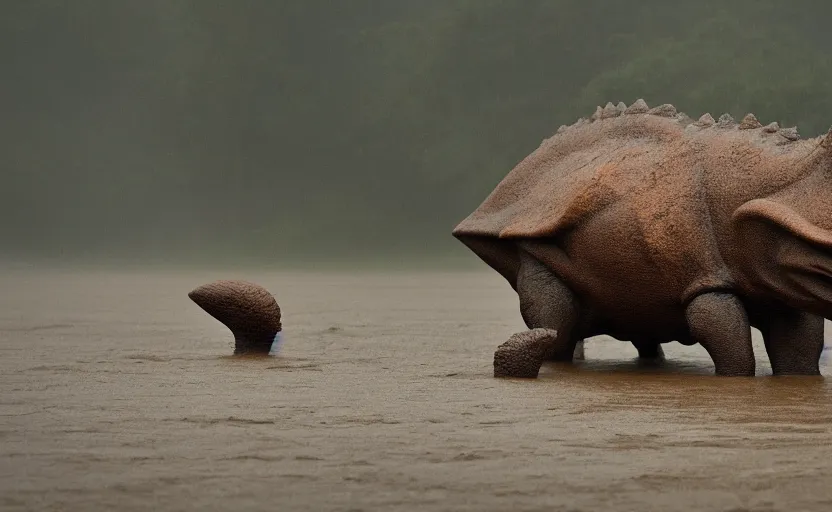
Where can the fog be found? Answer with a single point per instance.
(312, 131)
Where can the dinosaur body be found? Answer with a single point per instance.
(639, 213)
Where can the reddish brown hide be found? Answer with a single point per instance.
(651, 227)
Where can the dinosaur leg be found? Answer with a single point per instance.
(718, 321)
(579, 350)
(578, 353)
(794, 341)
(649, 350)
(550, 311)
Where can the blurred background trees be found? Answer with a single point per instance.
(360, 130)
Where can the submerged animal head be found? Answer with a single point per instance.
(248, 310)
(786, 237)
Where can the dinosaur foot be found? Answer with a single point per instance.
(650, 354)
(523, 353)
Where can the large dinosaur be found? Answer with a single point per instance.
(651, 227)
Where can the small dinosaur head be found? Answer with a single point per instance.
(786, 238)
(248, 310)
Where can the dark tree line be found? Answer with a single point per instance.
(270, 131)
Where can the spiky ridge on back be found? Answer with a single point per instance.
(725, 121)
(601, 160)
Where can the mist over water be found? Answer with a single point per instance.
(149, 147)
(177, 131)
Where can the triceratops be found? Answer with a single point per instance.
(648, 226)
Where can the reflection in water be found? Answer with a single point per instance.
(683, 383)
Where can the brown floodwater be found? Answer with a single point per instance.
(118, 393)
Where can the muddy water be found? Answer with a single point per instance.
(116, 392)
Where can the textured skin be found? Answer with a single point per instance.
(247, 309)
(522, 354)
(657, 228)
(794, 340)
(545, 302)
(718, 321)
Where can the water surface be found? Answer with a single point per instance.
(117, 392)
